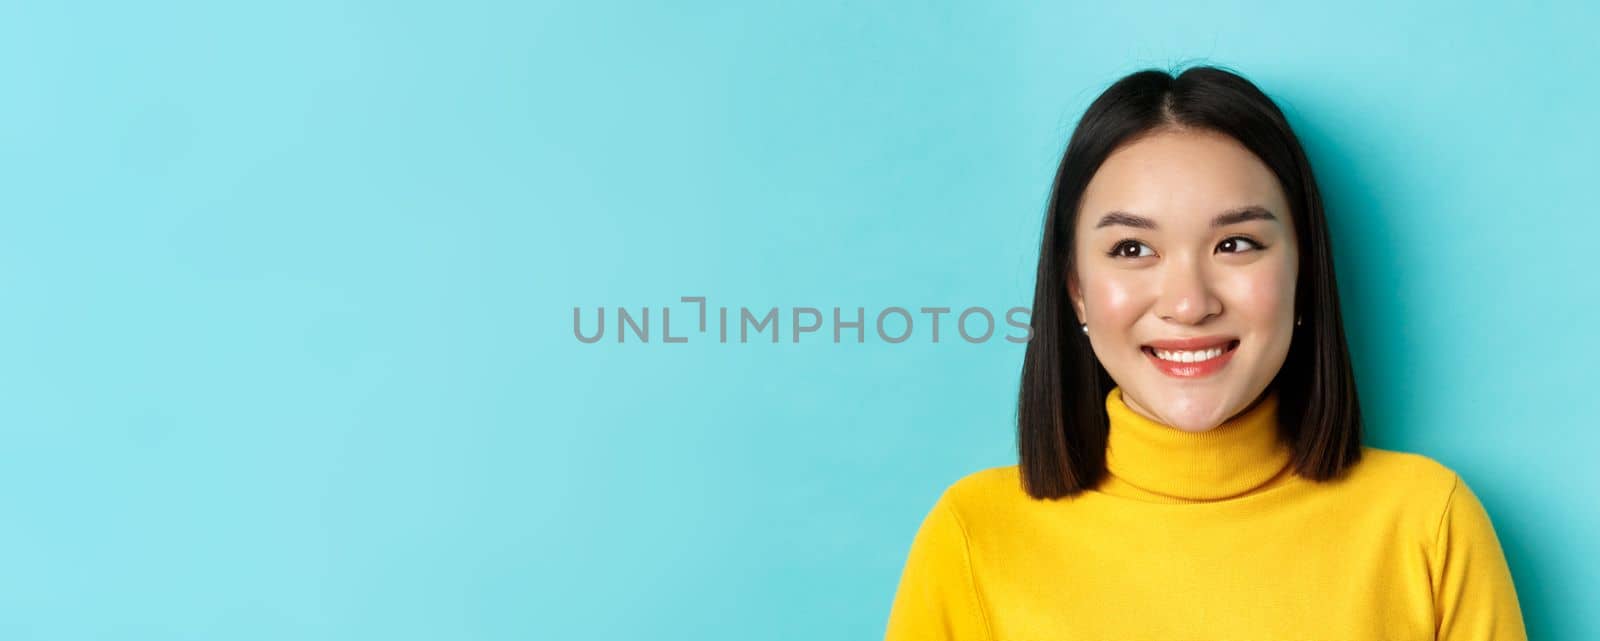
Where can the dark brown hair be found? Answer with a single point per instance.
(1061, 416)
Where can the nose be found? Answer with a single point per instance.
(1186, 295)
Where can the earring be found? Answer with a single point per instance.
(1085, 328)
(1297, 320)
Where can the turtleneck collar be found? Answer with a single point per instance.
(1234, 458)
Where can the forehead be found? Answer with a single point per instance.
(1181, 178)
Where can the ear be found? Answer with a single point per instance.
(1075, 293)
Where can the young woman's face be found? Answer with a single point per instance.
(1186, 235)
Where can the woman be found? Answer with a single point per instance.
(1191, 464)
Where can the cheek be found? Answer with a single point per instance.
(1113, 299)
(1266, 295)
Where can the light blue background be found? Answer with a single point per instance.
(288, 292)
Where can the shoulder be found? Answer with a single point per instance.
(967, 505)
(986, 495)
(1407, 469)
(984, 486)
(1403, 483)
(1403, 471)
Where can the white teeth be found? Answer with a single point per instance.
(1188, 357)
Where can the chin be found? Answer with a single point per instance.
(1195, 427)
(1192, 407)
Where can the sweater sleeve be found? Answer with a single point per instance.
(1474, 597)
(937, 598)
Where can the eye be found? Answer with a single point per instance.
(1231, 245)
(1121, 249)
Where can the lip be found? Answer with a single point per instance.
(1197, 369)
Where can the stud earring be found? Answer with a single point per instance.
(1085, 328)
(1297, 320)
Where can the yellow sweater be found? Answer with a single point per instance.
(1210, 536)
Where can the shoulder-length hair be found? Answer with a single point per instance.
(1061, 415)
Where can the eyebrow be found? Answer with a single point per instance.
(1229, 217)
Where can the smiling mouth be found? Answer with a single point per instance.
(1191, 356)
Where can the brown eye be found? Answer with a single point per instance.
(1231, 245)
(1128, 249)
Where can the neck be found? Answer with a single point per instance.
(1150, 459)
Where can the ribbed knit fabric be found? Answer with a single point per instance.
(1150, 460)
(1210, 535)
